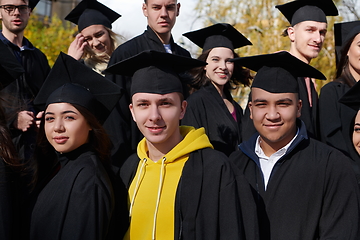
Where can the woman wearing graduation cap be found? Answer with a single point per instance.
(77, 191)
(95, 41)
(351, 99)
(212, 106)
(334, 117)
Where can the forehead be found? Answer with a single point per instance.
(261, 94)
(221, 51)
(14, 2)
(311, 24)
(154, 97)
(90, 30)
(356, 39)
(161, 2)
(59, 107)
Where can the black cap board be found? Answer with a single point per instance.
(10, 68)
(33, 3)
(308, 10)
(343, 32)
(218, 35)
(155, 72)
(92, 12)
(278, 72)
(352, 97)
(72, 82)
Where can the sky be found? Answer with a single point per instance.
(132, 21)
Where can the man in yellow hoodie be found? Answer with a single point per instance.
(179, 187)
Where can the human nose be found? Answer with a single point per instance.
(59, 126)
(272, 113)
(222, 65)
(164, 12)
(317, 37)
(154, 114)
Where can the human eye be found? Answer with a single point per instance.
(142, 104)
(357, 129)
(23, 8)
(170, 7)
(9, 8)
(49, 119)
(69, 117)
(165, 103)
(99, 34)
(156, 7)
(260, 104)
(215, 59)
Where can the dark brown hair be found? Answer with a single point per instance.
(240, 75)
(343, 73)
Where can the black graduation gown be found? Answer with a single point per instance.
(77, 203)
(120, 126)
(337, 122)
(19, 95)
(207, 109)
(9, 202)
(311, 194)
(309, 115)
(206, 202)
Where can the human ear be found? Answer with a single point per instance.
(183, 109)
(132, 111)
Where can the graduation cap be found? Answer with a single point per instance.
(72, 82)
(33, 3)
(278, 72)
(218, 35)
(352, 97)
(92, 12)
(308, 10)
(343, 32)
(10, 68)
(155, 72)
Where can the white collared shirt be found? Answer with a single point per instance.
(267, 163)
(168, 48)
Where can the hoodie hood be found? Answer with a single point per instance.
(193, 139)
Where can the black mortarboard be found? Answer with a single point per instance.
(352, 97)
(218, 35)
(155, 72)
(308, 10)
(72, 82)
(92, 12)
(342, 33)
(33, 3)
(278, 72)
(10, 68)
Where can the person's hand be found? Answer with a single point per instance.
(76, 48)
(24, 120)
(38, 119)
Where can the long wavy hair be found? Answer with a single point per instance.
(343, 73)
(240, 76)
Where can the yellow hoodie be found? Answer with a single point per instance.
(153, 189)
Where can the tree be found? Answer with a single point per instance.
(50, 35)
(263, 25)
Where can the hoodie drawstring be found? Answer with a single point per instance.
(137, 185)
(161, 182)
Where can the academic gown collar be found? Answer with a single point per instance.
(248, 147)
(152, 36)
(64, 158)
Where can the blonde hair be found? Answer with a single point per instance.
(99, 61)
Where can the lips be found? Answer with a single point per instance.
(156, 130)
(60, 140)
(17, 21)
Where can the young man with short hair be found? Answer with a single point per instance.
(161, 16)
(15, 15)
(303, 188)
(179, 187)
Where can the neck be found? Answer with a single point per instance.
(354, 73)
(16, 39)
(220, 89)
(269, 147)
(158, 150)
(164, 37)
(296, 53)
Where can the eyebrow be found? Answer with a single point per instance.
(279, 100)
(64, 112)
